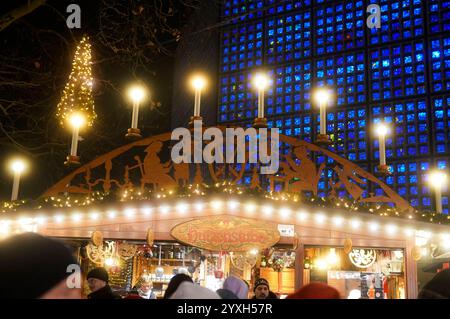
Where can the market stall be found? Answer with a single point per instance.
(320, 218)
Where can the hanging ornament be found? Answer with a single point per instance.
(97, 238)
(348, 245)
(77, 94)
(362, 258)
(99, 254)
(241, 259)
(126, 251)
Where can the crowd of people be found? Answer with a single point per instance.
(36, 267)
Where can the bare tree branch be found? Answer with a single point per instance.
(18, 13)
(128, 42)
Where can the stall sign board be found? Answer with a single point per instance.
(286, 230)
(227, 233)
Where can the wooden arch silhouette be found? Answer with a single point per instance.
(147, 163)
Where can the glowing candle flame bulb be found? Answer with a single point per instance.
(321, 264)
(438, 179)
(260, 81)
(338, 221)
(382, 129)
(373, 226)
(254, 252)
(109, 262)
(17, 167)
(267, 210)
(136, 94)
(320, 218)
(332, 258)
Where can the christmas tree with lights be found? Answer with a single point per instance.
(77, 94)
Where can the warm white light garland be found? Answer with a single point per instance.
(286, 214)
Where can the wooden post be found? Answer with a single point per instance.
(299, 257)
(411, 272)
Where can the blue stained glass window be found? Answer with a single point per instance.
(413, 111)
(399, 82)
(290, 35)
(440, 64)
(339, 73)
(410, 73)
(329, 26)
(391, 16)
(441, 119)
(439, 15)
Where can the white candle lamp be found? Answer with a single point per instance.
(76, 120)
(260, 82)
(438, 179)
(322, 97)
(198, 83)
(137, 94)
(382, 130)
(17, 167)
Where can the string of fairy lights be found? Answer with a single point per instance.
(196, 199)
(77, 94)
(224, 188)
(250, 208)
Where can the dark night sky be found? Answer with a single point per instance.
(113, 111)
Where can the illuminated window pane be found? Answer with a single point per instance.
(402, 118)
(439, 15)
(245, 9)
(242, 47)
(441, 118)
(403, 73)
(400, 20)
(339, 26)
(345, 73)
(440, 64)
(347, 129)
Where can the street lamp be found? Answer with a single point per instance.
(438, 179)
(382, 131)
(137, 94)
(76, 121)
(198, 83)
(322, 98)
(260, 82)
(17, 167)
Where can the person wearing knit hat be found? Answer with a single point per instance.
(235, 285)
(33, 266)
(98, 279)
(262, 290)
(315, 290)
(174, 283)
(189, 290)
